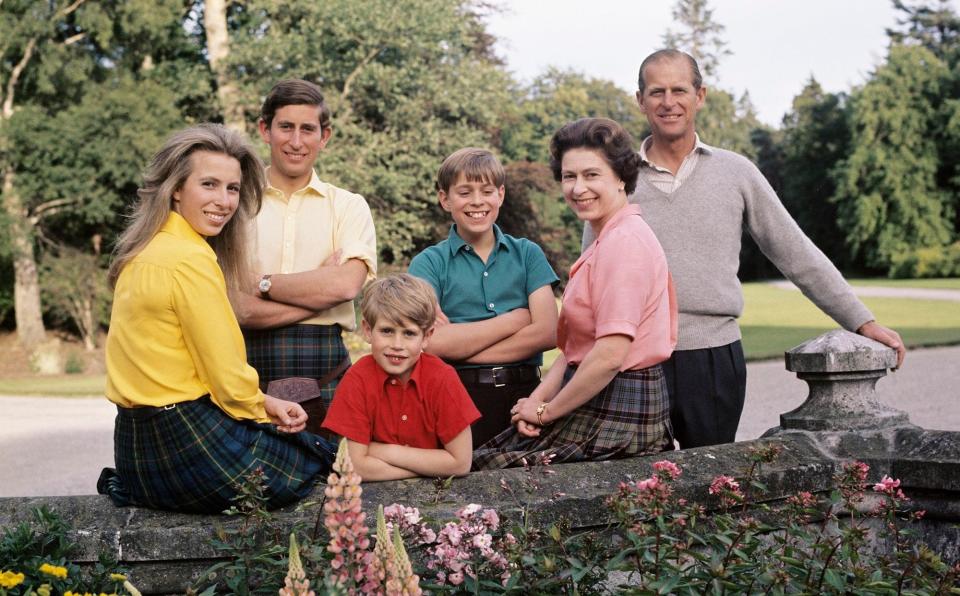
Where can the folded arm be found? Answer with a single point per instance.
(453, 460)
(372, 468)
(531, 339)
(460, 341)
(254, 312)
(319, 289)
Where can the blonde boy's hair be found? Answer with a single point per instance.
(398, 297)
(476, 165)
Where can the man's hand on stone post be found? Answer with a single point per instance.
(886, 336)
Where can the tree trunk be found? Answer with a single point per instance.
(218, 48)
(26, 285)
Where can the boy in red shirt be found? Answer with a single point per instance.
(404, 413)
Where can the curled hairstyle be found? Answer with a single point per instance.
(166, 174)
(606, 137)
(670, 54)
(476, 165)
(294, 92)
(399, 297)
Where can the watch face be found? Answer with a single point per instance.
(264, 286)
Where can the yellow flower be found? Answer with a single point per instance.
(44, 590)
(10, 579)
(118, 577)
(60, 572)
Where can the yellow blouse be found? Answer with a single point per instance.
(173, 335)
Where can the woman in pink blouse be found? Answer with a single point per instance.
(605, 395)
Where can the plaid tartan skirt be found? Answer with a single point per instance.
(629, 417)
(310, 351)
(193, 458)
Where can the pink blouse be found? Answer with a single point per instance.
(620, 286)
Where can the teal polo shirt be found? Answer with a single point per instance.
(470, 290)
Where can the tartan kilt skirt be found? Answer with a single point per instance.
(629, 417)
(194, 457)
(311, 351)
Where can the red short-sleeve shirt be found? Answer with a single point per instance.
(429, 412)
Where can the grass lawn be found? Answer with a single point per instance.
(61, 385)
(950, 283)
(776, 320)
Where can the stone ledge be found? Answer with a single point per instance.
(168, 550)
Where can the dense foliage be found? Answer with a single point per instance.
(89, 88)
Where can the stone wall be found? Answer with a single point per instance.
(167, 551)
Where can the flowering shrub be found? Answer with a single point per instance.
(34, 560)
(672, 547)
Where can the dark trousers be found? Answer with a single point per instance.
(494, 404)
(707, 389)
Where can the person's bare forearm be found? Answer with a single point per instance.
(254, 312)
(374, 469)
(320, 288)
(599, 367)
(531, 340)
(460, 341)
(424, 462)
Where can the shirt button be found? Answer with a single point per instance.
(490, 305)
(485, 274)
(404, 418)
(468, 248)
(393, 381)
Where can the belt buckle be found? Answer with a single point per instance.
(493, 372)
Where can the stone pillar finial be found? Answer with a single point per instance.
(842, 369)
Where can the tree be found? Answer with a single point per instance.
(700, 36)
(558, 97)
(71, 71)
(888, 198)
(816, 137)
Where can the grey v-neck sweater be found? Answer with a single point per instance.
(699, 226)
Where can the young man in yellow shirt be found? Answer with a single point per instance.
(315, 249)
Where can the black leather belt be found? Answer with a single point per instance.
(498, 376)
(145, 412)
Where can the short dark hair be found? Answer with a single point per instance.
(476, 165)
(670, 54)
(607, 137)
(294, 92)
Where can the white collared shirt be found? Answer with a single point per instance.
(663, 179)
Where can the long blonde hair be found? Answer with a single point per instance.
(167, 172)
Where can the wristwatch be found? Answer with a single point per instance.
(264, 286)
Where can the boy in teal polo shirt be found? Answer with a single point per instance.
(497, 309)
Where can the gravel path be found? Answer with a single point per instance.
(57, 446)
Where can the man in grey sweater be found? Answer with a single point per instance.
(698, 199)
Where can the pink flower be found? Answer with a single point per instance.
(482, 541)
(452, 533)
(648, 484)
(858, 470)
(468, 510)
(803, 499)
(669, 467)
(887, 485)
(721, 483)
(491, 518)
(456, 578)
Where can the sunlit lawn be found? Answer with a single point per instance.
(776, 320)
(773, 321)
(63, 385)
(951, 283)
